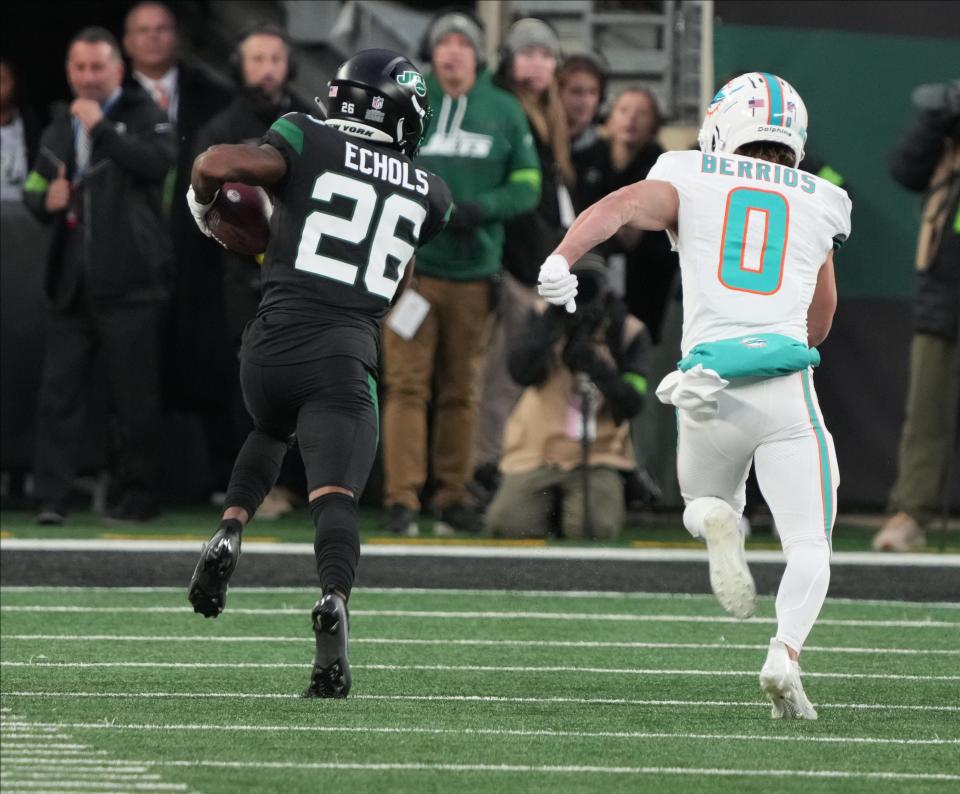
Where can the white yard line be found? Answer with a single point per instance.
(80, 785)
(54, 773)
(467, 642)
(561, 769)
(489, 615)
(466, 668)
(79, 763)
(44, 757)
(459, 591)
(43, 749)
(162, 727)
(460, 698)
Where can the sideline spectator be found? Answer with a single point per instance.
(527, 69)
(479, 143)
(19, 132)
(625, 158)
(928, 159)
(262, 68)
(196, 355)
(584, 378)
(583, 83)
(98, 179)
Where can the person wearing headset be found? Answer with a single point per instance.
(262, 67)
(480, 144)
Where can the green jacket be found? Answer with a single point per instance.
(481, 146)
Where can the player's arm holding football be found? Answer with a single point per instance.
(261, 166)
(651, 205)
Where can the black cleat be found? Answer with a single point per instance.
(331, 667)
(218, 560)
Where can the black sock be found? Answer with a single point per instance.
(234, 524)
(336, 542)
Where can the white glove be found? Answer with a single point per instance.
(557, 284)
(199, 211)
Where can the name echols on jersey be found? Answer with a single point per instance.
(381, 165)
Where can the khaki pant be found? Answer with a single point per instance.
(441, 364)
(929, 430)
(500, 390)
(522, 506)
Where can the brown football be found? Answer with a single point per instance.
(240, 219)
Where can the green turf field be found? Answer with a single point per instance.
(127, 690)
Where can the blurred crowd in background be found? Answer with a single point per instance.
(499, 415)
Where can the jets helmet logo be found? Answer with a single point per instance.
(412, 80)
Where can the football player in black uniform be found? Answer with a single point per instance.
(350, 209)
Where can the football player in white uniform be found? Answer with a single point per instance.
(756, 239)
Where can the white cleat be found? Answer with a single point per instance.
(780, 681)
(730, 577)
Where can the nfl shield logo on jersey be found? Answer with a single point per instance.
(377, 103)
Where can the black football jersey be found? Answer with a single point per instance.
(347, 220)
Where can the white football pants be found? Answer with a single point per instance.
(777, 423)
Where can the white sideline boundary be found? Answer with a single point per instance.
(472, 552)
(745, 737)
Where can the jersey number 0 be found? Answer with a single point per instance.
(355, 229)
(754, 243)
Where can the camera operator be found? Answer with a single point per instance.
(583, 378)
(928, 160)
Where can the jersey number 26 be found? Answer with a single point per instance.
(355, 229)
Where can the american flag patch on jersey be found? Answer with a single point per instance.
(756, 103)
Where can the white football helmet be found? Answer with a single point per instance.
(757, 106)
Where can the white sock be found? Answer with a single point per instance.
(697, 510)
(803, 589)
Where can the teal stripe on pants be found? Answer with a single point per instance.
(826, 483)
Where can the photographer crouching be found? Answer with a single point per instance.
(584, 378)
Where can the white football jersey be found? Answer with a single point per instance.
(752, 236)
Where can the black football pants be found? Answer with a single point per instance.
(329, 404)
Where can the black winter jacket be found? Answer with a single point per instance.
(126, 247)
(912, 164)
(529, 238)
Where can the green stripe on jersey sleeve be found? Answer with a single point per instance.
(290, 132)
(531, 176)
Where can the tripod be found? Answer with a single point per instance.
(586, 391)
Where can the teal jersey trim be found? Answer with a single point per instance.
(826, 481)
(776, 99)
(752, 356)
